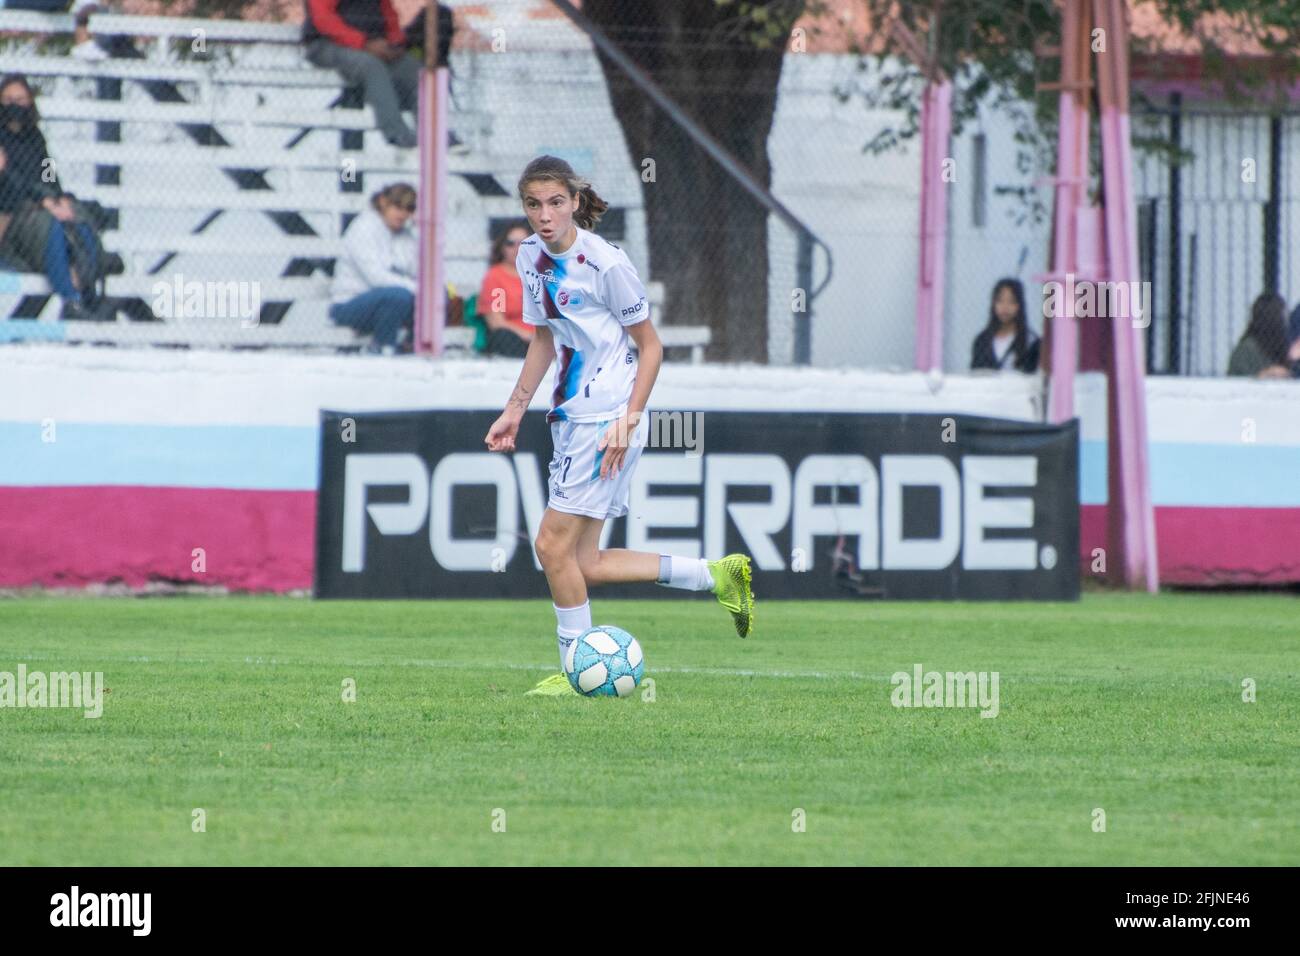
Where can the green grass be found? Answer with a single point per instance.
(1127, 703)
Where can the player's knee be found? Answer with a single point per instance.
(552, 550)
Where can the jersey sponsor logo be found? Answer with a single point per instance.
(565, 298)
(634, 309)
(583, 260)
(530, 242)
(547, 276)
(627, 359)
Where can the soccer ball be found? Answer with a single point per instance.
(605, 661)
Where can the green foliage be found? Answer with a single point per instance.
(994, 52)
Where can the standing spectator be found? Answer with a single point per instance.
(84, 46)
(374, 278)
(501, 297)
(1007, 340)
(42, 228)
(1262, 350)
(446, 27)
(414, 34)
(363, 40)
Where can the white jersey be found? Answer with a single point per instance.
(587, 295)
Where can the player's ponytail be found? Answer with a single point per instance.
(590, 206)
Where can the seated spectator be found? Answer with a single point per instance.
(501, 297)
(1007, 341)
(363, 40)
(1262, 350)
(42, 228)
(374, 278)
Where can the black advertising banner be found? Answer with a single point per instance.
(829, 505)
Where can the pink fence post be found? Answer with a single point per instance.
(430, 217)
(936, 128)
(1131, 515)
(1070, 180)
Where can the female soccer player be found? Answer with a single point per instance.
(590, 311)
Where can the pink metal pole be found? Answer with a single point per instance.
(936, 128)
(1131, 515)
(430, 294)
(1071, 178)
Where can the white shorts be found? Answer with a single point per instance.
(576, 487)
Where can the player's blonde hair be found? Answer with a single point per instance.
(551, 168)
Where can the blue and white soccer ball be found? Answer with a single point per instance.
(604, 661)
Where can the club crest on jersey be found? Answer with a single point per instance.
(566, 298)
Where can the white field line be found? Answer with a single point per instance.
(1051, 680)
(462, 665)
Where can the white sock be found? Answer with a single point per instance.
(689, 574)
(571, 624)
(564, 638)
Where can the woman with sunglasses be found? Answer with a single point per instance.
(589, 312)
(374, 278)
(501, 297)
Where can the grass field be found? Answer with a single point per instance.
(1131, 704)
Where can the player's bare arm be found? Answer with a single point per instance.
(541, 353)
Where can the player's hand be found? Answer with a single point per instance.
(501, 436)
(615, 443)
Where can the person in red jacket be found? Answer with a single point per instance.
(363, 40)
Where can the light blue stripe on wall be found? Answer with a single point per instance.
(1208, 476)
(262, 457)
(281, 457)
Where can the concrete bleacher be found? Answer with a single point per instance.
(248, 170)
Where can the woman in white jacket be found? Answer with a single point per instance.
(374, 278)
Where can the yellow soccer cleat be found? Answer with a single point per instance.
(731, 585)
(557, 685)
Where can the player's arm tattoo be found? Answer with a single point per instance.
(520, 397)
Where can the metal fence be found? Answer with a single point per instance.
(737, 177)
(222, 157)
(1218, 228)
